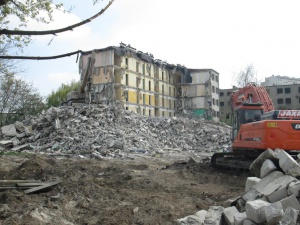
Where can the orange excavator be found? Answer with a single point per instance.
(256, 126)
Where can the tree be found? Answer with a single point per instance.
(245, 76)
(17, 99)
(60, 95)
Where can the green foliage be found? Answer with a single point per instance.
(18, 99)
(60, 95)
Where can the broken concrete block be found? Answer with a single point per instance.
(251, 195)
(267, 167)
(274, 213)
(214, 215)
(266, 180)
(257, 163)
(287, 163)
(248, 222)
(277, 189)
(19, 148)
(239, 218)
(290, 201)
(189, 220)
(6, 144)
(294, 188)
(290, 217)
(228, 215)
(9, 130)
(250, 182)
(201, 214)
(255, 210)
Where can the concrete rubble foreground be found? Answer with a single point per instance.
(110, 131)
(272, 198)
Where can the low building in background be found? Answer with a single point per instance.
(148, 86)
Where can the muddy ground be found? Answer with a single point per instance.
(144, 190)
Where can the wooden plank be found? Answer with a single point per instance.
(36, 189)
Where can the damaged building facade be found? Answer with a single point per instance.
(146, 85)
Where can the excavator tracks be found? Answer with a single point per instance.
(238, 160)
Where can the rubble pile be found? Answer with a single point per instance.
(270, 198)
(110, 131)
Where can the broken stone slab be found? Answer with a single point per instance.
(267, 167)
(290, 217)
(294, 188)
(248, 222)
(255, 210)
(228, 215)
(239, 218)
(274, 213)
(250, 182)
(257, 163)
(189, 220)
(266, 180)
(214, 215)
(277, 189)
(290, 201)
(201, 214)
(19, 148)
(9, 130)
(287, 163)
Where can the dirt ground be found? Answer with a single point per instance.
(144, 190)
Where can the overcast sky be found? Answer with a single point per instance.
(224, 35)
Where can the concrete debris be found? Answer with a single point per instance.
(273, 199)
(214, 215)
(110, 131)
(267, 167)
(229, 215)
(290, 217)
(257, 164)
(201, 214)
(189, 220)
(250, 182)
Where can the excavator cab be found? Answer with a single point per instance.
(245, 113)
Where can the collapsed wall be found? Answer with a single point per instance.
(110, 131)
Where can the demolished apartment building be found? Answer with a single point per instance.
(146, 85)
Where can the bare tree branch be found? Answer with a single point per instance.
(40, 57)
(22, 32)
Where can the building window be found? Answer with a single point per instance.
(213, 89)
(228, 93)
(170, 103)
(162, 76)
(221, 104)
(137, 67)
(213, 77)
(144, 84)
(126, 79)
(213, 101)
(126, 108)
(299, 89)
(149, 99)
(149, 85)
(144, 99)
(163, 89)
(280, 101)
(287, 90)
(149, 68)
(126, 96)
(143, 111)
(149, 112)
(221, 93)
(174, 91)
(144, 68)
(288, 101)
(217, 90)
(137, 98)
(217, 102)
(170, 91)
(217, 78)
(279, 90)
(163, 113)
(126, 63)
(163, 102)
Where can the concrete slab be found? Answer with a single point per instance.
(19, 147)
(9, 130)
(290, 217)
(189, 220)
(257, 163)
(201, 214)
(239, 218)
(294, 188)
(248, 222)
(214, 215)
(287, 163)
(267, 167)
(250, 182)
(228, 215)
(274, 213)
(266, 180)
(290, 201)
(255, 210)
